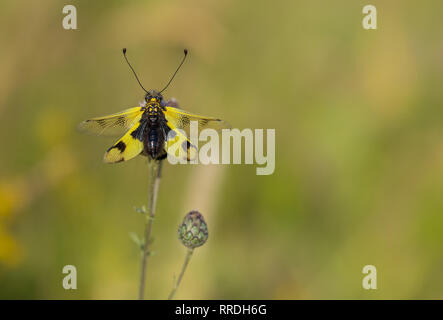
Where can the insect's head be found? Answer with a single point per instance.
(153, 96)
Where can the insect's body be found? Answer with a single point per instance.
(148, 128)
(154, 138)
(153, 129)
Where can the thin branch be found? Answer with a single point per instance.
(153, 185)
(185, 264)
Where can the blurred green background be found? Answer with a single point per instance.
(359, 149)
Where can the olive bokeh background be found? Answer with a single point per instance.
(359, 148)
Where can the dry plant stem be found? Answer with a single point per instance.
(185, 264)
(153, 184)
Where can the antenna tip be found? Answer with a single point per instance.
(186, 51)
(124, 50)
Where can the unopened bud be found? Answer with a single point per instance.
(193, 232)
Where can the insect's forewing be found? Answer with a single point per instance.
(181, 119)
(126, 148)
(113, 124)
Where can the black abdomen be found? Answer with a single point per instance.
(154, 141)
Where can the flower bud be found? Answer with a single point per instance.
(193, 232)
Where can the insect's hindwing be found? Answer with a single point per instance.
(124, 149)
(179, 146)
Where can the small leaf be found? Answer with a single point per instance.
(134, 237)
(141, 209)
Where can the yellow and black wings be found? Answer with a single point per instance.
(177, 144)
